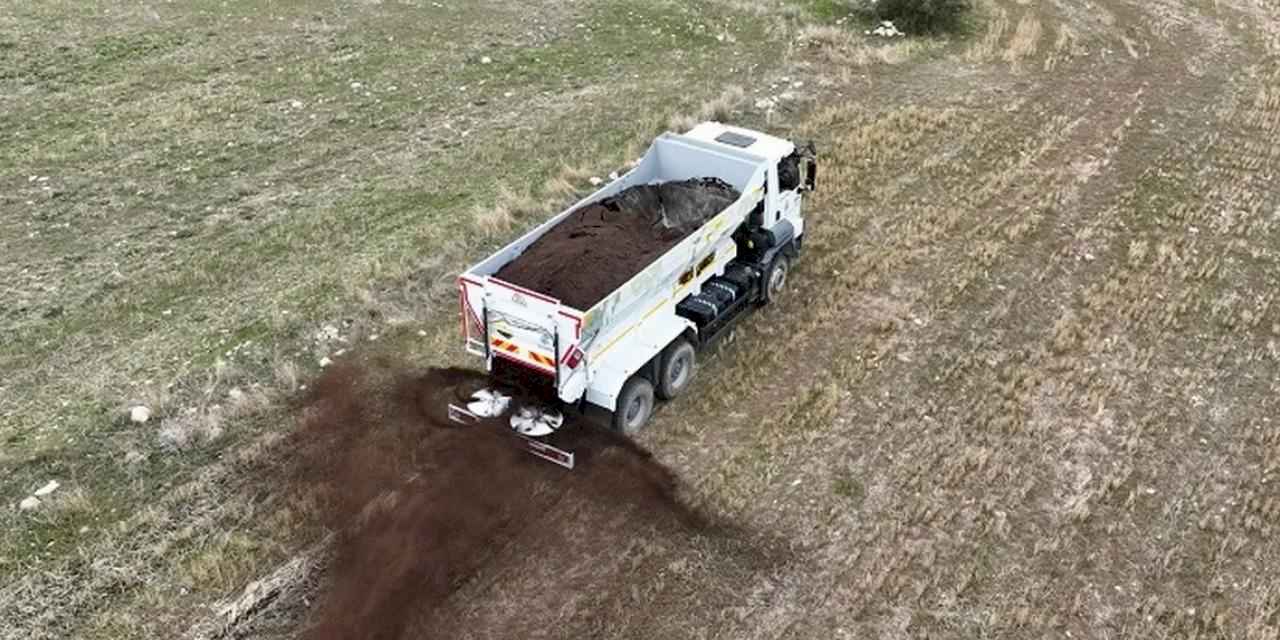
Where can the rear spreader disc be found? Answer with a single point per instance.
(535, 421)
(488, 403)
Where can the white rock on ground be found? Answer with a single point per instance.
(325, 361)
(327, 333)
(887, 30)
(139, 414)
(594, 180)
(47, 489)
(29, 503)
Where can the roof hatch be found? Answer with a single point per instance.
(735, 139)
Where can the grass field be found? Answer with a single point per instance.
(1025, 384)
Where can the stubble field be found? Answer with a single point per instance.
(1024, 384)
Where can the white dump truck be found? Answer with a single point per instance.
(639, 344)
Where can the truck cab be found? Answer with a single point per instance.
(773, 234)
(792, 171)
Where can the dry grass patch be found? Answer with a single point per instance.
(845, 49)
(497, 219)
(1025, 40)
(987, 46)
(719, 108)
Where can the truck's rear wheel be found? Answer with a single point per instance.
(635, 406)
(678, 362)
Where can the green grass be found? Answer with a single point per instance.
(848, 486)
(828, 11)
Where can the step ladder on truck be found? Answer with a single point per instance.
(639, 344)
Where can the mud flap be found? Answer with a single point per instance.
(548, 452)
(556, 455)
(461, 416)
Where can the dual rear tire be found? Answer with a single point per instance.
(678, 363)
(639, 395)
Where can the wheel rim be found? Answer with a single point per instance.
(779, 278)
(636, 412)
(679, 371)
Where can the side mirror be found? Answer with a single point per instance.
(808, 165)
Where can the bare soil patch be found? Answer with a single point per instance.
(420, 504)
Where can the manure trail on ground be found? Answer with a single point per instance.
(420, 504)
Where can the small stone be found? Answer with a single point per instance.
(134, 457)
(595, 181)
(47, 489)
(235, 393)
(325, 361)
(327, 333)
(29, 503)
(139, 414)
(486, 60)
(296, 104)
(422, 333)
(355, 86)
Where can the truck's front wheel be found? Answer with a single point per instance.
(775, 280)
(635, 406)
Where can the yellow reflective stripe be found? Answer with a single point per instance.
(620, 336)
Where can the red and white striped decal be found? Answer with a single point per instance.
(542, 360)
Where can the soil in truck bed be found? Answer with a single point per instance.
(603, 244)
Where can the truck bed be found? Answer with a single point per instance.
(537, 324)
(601, 245)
